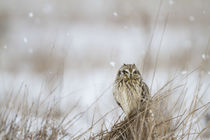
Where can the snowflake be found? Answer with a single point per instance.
(203, 56)
(208, 72)
(171, 2)
(25, 40)
(112, 63)
(184, 72)
(115, 14)
(5, 46)
(30, 14)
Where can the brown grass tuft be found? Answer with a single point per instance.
(158, 121)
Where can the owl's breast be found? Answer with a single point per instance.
(129, 98)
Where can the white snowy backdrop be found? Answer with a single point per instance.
(74, 48)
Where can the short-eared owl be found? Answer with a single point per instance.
(130, 92)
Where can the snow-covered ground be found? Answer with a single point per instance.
(94, 89)
(94, 50)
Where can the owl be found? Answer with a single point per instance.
(129, 90)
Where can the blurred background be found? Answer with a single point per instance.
(74, 49)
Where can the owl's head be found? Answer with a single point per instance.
(129, 72)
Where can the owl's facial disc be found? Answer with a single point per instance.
(125, 74)
(136, 74)
(129, 72)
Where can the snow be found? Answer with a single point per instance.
(25, 40)
(89, 36)
(86, 88)
(171, 2)
(191, 18)
(126, 41)
(112, 63)
(203, 56)
(115, 14)
(30, 15)
(184, 72)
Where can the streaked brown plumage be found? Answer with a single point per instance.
(129, 90)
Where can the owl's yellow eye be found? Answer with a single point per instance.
(125, 72)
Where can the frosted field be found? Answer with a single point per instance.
(85, 82)
(94, 89)
(92, 54)
(58, 56)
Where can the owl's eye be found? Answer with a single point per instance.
(125, 72)
(135, 72)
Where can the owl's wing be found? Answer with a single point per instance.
(145, 91)
(119, 104)
(116, 96)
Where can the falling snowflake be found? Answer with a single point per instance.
(184, 72)
(5, 46)
(115, 14)
(204, 12)
(25, 40)
(208, 72)
(112, 63)
(203, 56)
(171, 2)
(192, 18)
(30, 14)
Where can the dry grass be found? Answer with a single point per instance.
(22, 119)
(158, 122)
(165, 118)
